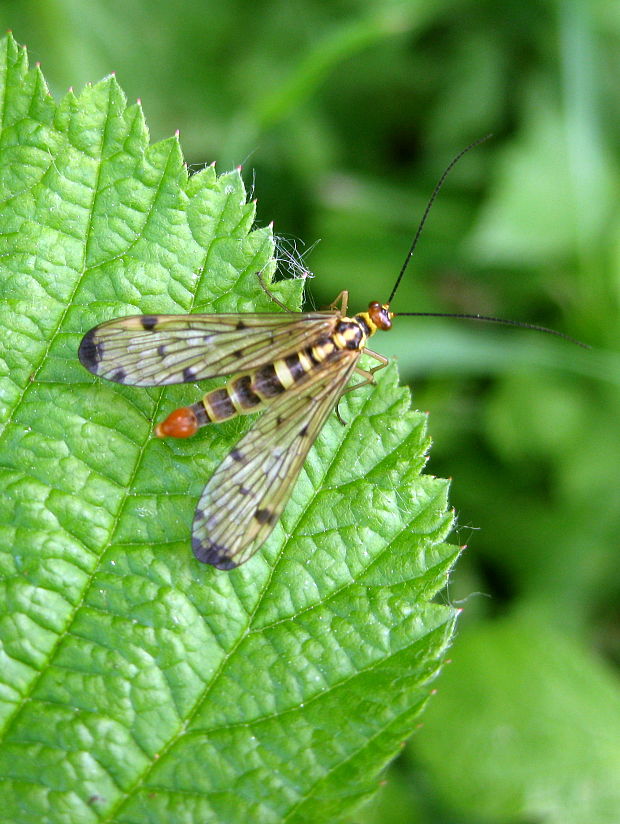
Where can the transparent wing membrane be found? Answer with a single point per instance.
(245, 497)
(156, 350)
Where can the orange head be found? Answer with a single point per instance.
(380, 315)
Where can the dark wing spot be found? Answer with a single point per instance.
(161, 349)
(243, 490)
(148, 321)
(236, 455)
(90, 352)
(118, 376)
(211, 553)
(238, 353)
(279, 420)
(240, 325)
(264, 516)
(303, 432)
(188, 374)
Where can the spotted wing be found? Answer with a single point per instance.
(153, 350)
(245, 497)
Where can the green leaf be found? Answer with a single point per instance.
(535, 716)
(137, 684)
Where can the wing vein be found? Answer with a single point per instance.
(245, 496)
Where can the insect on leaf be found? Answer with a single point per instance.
(294, 364)
(135, 679)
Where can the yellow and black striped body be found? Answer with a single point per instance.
(250, 391)
(292, 366)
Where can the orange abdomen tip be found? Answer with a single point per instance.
(181, 423)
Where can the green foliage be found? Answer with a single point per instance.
(519, 771)
(345, 113)
(138, 685)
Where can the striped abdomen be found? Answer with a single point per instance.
(250, 391)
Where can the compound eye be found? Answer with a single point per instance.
(380, 315)
(385, 321)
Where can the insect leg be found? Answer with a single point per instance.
(270, 294)
(369, 377)
(343, 298)
(383, 361)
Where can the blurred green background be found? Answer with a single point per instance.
(344, 114)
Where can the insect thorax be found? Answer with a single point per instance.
(352, 333)
(250, 391)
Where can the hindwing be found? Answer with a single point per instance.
(246, 494)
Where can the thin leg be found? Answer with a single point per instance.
(270, 294)
(338, 415)
(343, 297)
(383, 361)
(367, 374)
(368, 378)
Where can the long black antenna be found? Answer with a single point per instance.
(502, 321)
(488, 319)
(440, 183)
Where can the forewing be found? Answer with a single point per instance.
(245, 497)
(154, 350)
